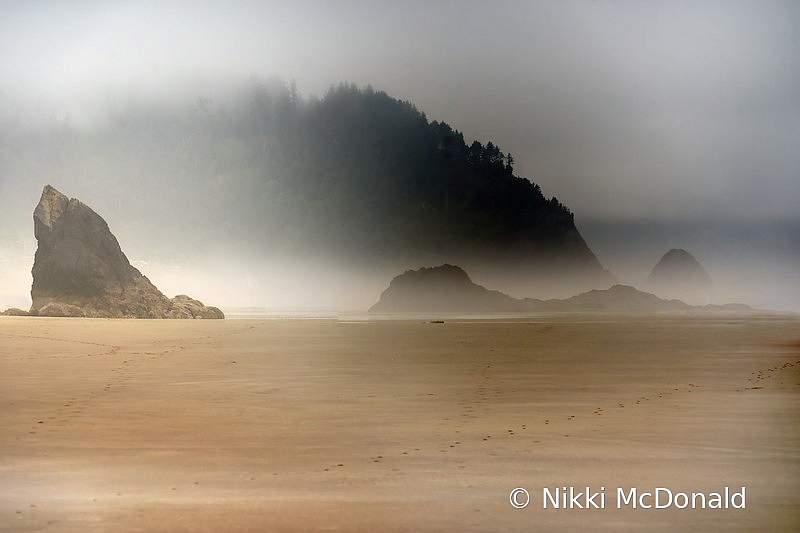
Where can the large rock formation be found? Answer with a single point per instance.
(80, 270)
(448, 289)
(444, 288)
(678, 272)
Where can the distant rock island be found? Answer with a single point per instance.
(677, 272)
(80, 270)
(442, 288)
(448, 289)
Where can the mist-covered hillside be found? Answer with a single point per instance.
(355, 173)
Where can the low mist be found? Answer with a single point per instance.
(289, 156)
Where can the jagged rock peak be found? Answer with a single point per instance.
(50, 208)
(80, 270)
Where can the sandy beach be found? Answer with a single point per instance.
(404, 425)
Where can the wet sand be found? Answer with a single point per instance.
(305, 425)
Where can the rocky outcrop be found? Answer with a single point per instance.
(80, 270)
(185, 307)
(443, 288)
(14, 311)
(678, 272)
(448, 289)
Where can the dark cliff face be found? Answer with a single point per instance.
(370, 175)
(80, 270)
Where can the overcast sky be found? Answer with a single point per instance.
(633, 109)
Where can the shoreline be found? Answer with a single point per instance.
(396, 425)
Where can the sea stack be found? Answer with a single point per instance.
(678, 272)
(80, 270)
(444, 288)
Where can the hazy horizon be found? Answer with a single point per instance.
(658, 125)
